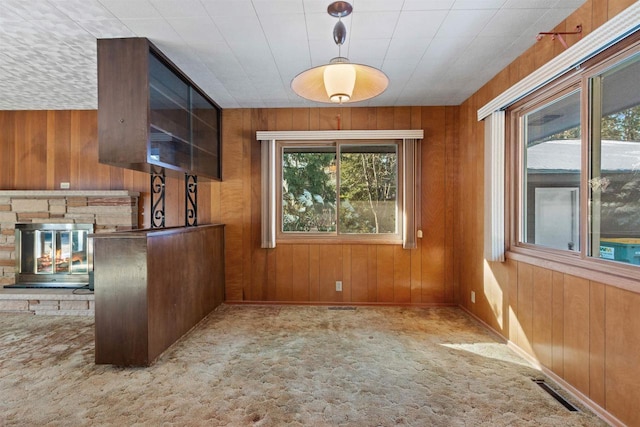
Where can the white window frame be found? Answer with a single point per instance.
(409, 179)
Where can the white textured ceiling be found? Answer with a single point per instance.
(244, 53)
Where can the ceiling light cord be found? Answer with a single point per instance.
(340, 81)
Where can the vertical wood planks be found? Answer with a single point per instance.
(576, 332)
(622, 344)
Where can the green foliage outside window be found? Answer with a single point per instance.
(308, 191)
(368, 190)
(368, 187)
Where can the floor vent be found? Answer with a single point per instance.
(543, 385)
(341, 308)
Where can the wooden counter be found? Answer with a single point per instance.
(153, 286)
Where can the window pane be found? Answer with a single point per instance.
(615, 163)
(368, 189)
(309, 189)
(551, 181)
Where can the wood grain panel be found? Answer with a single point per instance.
(299, 119)
(330, 264)
(596, 343)
(364, 118)
(359, 273)
(402, 118)
(314, 273)
(617, 6)
(416, 274)
(525, 307)
(576, 332)
(30, 150)
(271, 275)
(402, 275)
(232, 202)
(346, 274)
(385, 118)
(451, 184)
(433, 204)
(84, 142)
(284, 273)
(372, 261)
(284, 119)
(300, 272)
(557, 332)
(599, 12)
(512, 290)
(542, 315)
(385, 273)
(248, 142)
(58, 146)
(622, 344)
(257, 256)
(329, 118)
(8, 149)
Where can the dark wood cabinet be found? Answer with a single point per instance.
(152, 287)
(151, 116)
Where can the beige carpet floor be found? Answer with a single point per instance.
(279, 365)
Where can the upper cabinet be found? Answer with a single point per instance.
(151, 116)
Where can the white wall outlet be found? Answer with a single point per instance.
(419, 234)
(64, 185)
(338, 285)
(473, 297)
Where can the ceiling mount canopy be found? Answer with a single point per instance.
(340, 81)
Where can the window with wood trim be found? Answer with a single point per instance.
(576, 161)
(344, 188)
(351, 186)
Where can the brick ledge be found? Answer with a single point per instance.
(59, 302)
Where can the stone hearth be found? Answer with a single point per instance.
(108, 211)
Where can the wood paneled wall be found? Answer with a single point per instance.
(369, 273)
(585, 332)
(41, 149)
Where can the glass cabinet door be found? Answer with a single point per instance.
(170, 132)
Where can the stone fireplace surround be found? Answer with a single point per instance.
(107, 210)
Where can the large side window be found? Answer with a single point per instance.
(576, 162)
(551, 172)
(614, 183)
(345, 188)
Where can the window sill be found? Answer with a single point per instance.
(616, 274)
(334, 240)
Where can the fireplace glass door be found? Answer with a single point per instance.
(60, 251)
(53, 254)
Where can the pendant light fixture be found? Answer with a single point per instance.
(340, 81)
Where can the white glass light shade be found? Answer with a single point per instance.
(369, 82)
(339, 81)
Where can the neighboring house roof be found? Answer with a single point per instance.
(564, 156)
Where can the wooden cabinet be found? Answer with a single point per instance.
(151, 287)
(151, 116)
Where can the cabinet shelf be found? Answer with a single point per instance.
(151, 116)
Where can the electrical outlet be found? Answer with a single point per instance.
(64, 185)
(338, 285)
(473, 297)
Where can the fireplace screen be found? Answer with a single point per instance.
(53, 254)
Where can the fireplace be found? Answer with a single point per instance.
(52, 255)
